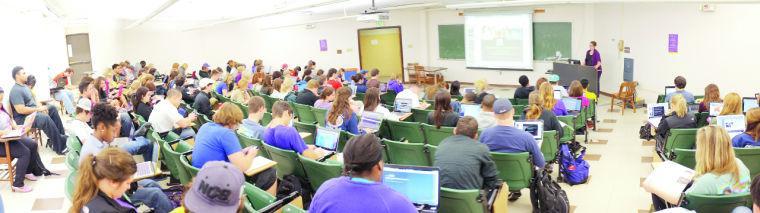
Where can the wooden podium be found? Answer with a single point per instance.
(571, 72)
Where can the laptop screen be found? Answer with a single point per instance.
(734, 124)
(557, 94)
(419, 184)
(657, 110)
(383, 87)
(669, 89)
(749, 103)
(715, 109)
(470, 109)
(469, 90)
(572, 104)
(327, 138)
(348, 74)
(694, 108)
(371, 120)
(535, 128)
(403, 105)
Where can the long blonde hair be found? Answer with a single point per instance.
(111, 163)
(678, 105)
(535, 107)
(732, 104)
(481, 85)
(715, 153)
(546, 92)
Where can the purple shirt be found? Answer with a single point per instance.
(5, 120)
(342, 194)
(395, 86)
(285, 137)
(592, 60)
(559, 108)
(322, 104)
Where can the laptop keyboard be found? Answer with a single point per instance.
(145, 169)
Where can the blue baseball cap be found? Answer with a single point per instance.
(217, 188)
(501, 106)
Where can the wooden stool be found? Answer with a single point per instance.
(8, 160)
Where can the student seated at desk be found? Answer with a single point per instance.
(341, 115)
(202, 103)
(374, 80)
(732, 104)
(102, 114)
(333, 79)
(266, 85)
(395, 85)
(554, 81)
(23, 103)
(536, 111)
(718, 171)
(546, 92)
(524, 90)
(372, 104)
(310, 95)
(240, 93)
(24, 150)
(576, 91)
(280, 134)
(712, 95)
(463, 161)
(680, 83)
(443, 115)
(679, 117)
(217, 175)
(480, 90)
(167, 118)
(142, 102)
(360, 189)
(103, 180)
(216, 141)
(454, 89)
(486, 118)
(412, 94)
(256, 110)
(750, 138)
(469, 98)
(504, 137)
(590, 95)
(325, 99)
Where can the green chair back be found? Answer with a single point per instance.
(514, 168)
(519, 111)
(71, 181)
(751, 158)
(172, 161)
(287, 162)
(72, 160)
(140, 119)
(388, 98)
(568, 131)
(420, 115)
(521, 101)
(259, 199)
(189, 168)
(410, 131)
(457, 97)
(221, 98)
(73, 143)
(407, 153)
(359, 97)
(431, 153)
(685, 157)
(319, 115)
(246, 141)
(660, 98)
(242, 107)
(550, 145)
(266, 119)
(269, 101)
(717, 203)
(304, 113)
(681, 139)
(203, 120)
(319, 172)
(457, 201)
(434, 136)
(343, 139)
(307, 128)
(702, 119)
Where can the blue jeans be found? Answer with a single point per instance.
(67, 98)
(185, 133)
(126, 125)
(141, 146)
(151, 195)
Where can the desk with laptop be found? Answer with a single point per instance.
(402, 108)
(532, 127)
(656, 112)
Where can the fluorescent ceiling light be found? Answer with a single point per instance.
(286, 9)
(517, 3)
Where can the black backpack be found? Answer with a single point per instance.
(546, 195)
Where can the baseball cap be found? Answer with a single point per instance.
(501, 106)
(284, 66)
(553, 78)
(205, 82)
(216, 188)
(85, 104)
(206, 65)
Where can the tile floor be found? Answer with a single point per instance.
(617, 157)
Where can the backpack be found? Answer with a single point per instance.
(573, 170)
(546, 195)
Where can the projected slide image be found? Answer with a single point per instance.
(506, 44)
(499, 40)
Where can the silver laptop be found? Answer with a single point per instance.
(470, 109)
(572, 104)
(371, 120)
(327, 138)
(734, 124)
(656, 112)
(533, 127)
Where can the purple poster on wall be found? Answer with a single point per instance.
(672, 43)
(323, 45)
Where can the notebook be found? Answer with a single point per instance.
(534, 127)
(656, 111)
(572, 104)
(327, 139)
(749, 103)
(418, 184)
(734, 124)
(259, 164)
(669, 89)
(668, 181)
(715, 109)
(371, 120)
(28, 122)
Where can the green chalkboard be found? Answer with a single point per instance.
(550, 37)
(451, 41)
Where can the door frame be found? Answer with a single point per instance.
(400, 44)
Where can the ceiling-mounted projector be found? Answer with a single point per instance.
(373, 16)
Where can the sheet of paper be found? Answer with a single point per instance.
(668, 181)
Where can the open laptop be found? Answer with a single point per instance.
(656, 111)
(534, 127)
(470, 109)
(28, 122)
(468, 90)
(419, 184)
(402, 106)
(715, 109)
(149, 167)
(327, 138)
(557, 94)
(383, 87)
(694, 108)
(734, 124)
(669, 89)
(371, 120)
(572, 104)
(749, 103)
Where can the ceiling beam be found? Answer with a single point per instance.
(150, 16)
(518, 3)
(287, 9)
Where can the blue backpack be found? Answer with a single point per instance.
(574, 170)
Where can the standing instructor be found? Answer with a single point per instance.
(593, 58)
